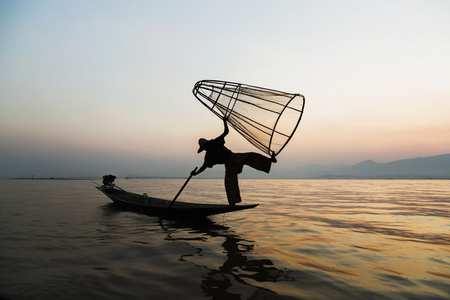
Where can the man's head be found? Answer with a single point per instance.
(201, 142)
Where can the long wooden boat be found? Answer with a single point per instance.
(157, 207)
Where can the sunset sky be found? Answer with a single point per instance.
(96, 87)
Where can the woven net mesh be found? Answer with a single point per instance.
(266, 118)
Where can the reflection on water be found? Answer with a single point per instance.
(232, 270)
(236, 270)
(308, 239)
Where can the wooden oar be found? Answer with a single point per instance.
(173, 201)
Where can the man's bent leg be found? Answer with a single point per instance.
(258, 162)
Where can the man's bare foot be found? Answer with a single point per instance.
(273, 158)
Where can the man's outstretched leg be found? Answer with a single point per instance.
(258, 161)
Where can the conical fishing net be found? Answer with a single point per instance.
(265, 117)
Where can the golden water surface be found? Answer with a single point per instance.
(308, 239)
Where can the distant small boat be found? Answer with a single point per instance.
(157, 207)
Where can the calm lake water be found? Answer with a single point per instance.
(308, 239)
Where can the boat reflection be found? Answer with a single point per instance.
(231, 270)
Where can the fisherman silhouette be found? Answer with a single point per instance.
(218, 154)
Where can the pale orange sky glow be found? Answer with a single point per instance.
(96, 87)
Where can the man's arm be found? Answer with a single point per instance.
(202, 168)
(226, 130)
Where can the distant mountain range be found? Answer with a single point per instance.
(432, 167)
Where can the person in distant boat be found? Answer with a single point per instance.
(217, 153)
